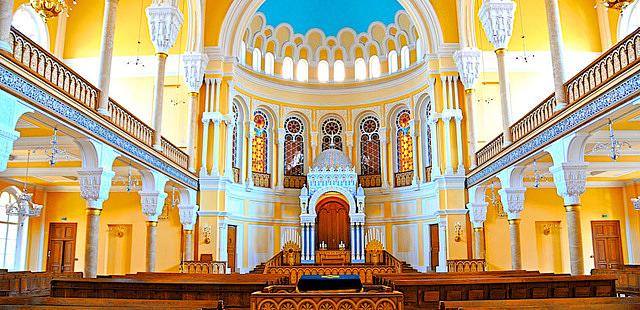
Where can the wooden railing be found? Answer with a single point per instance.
(56, 73)
(261, 179)
(389, 260)
(628, 279)
(610, 64)
(294, 181)
(373, 180)
(203, 267)
(427, 173)
(402, 179)
(466, 265)
(287, 297)
(236, 175)
(27, 283)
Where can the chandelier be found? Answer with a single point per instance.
(51, 8)
(538, 176)
(132, 183)
(616, 4)
(613, 146)
(495, 201)
(54, 152)
(24, 206)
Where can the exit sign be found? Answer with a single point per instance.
(604, 216)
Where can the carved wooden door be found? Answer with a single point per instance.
(435, 246)
(607, 244)
(62, 247)
(332, 223)
(231, 247)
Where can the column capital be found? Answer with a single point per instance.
(512, 201)
(194, 67)
(152, 204)
(468, 64)
(95, 185)
(188, 215)
(570, 179)
(477, 213)
(497, 20)
(165, 20)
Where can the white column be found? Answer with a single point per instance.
(152, 198)
(6, 14)
(280, 167)
(604, 26)
(250, 135)
(188, 210)
(383, 158)
(457, 115)
(165, 20)
(194, 66)
(215, 164)
(435, 162)
(497, 20)
(217, 102)
(468, 64)
(557, 51)
(446, 119)
(205, 144)
(513, 204)
(228, 164)
(477, 216)
(12, 110)
(442, 240)
(353, 241)
(106, 54)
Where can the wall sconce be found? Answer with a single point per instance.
(546, 228)
(457, 230)
(206, 234)
(117, 230)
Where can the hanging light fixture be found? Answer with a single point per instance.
(613, 146)
(538, 177)
(53, 153)
(51, 8)
(24, 206)
(138, 63)
(636, 200)
(132, 184)
(526, 56)
(495, 201)
(170, 203)
(616, 4)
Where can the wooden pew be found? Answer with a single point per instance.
(627, 279)
(27, 283)
(427, 293)
(268, 279)
(102, 303)
(387, 279)
(600, 303)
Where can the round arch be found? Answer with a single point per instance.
(315, 198)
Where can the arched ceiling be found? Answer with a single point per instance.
(329, 15)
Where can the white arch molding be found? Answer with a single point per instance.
(331, 189)
(241, 12)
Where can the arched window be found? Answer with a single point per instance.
(374, 67)
(260, 143)
(404, 147)
(9, 224)
(404, 58)
(419, 52)
(257, 60)
(31, 24)
(302, 70)
(629, 20)
(331, 134)
(392, 61)
(338, 71)
(360, 69)
(268, 63)
(370, 146)
(243, 53)
(323, 71)
(287, 68)
(293, 146)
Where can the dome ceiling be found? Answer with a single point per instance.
(329, 15)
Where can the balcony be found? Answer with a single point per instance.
(603, 85)
(40, 79)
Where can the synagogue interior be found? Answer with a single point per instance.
(330, 155)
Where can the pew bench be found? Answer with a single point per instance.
(628, 279)
(102, 303)
(596, 303)
(387, 279)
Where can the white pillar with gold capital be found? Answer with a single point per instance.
(165, 20)
(468, 64)
(557, 52)
(512, 196)
(497, 20)
(230, 122)
(477, 216)
(6, 15)
(152, 198)
(106, 54)
(194, 66)
(188, 216)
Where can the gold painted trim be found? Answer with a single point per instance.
(478, 229)
(573, 208)
(501, 51)
(152, 223)
(92, 211)
(188, 232)
(469, 91)
(162, 55)
(514, 222)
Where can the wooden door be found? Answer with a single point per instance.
(607, 244)
(231, 247)
(61, 256)
(332, 223)
(435, 246)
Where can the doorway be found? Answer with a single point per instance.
(435, 246)
(62, 247)
(332, 223)
(119, 249)
(607, 245)
(232, 232)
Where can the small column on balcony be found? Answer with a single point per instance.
(557, 52)
(106, 54)
(457, 116)
(188, 216)
(215, 163)
(152, 198)
(6, 15)
(497, 20)
(447, 115)
(468, 64)
(435, 157)
(512, 196)
(228, 163)
(165, 20)
(306, 219)
(477, 215)
(280, 173)
(205, 145)
(384, 165)
(194, 66)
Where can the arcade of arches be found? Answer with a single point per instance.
(158, 135)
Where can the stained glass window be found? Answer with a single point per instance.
(428, 134)
(293, 146)
(259, 149)
(331, 134)
(404, 142)
(234, 150)
(370, 146)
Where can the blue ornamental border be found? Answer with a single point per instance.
(580, 117)
(18, 84)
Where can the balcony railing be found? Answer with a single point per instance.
(261, 179)
(236, 175)
(466, 265)
(367, 181)
(294, 181)
(427, 173)
(59, 75)
(609, 65)
(402, 179)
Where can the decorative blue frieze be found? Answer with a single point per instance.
(21, 86)
(623, 91)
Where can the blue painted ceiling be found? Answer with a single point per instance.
(329, 15)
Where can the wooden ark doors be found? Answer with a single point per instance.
(607, 244)
(332, 223)
(435, 246)
(231, 247)
(61, 255)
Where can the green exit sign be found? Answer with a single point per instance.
(604, 216)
